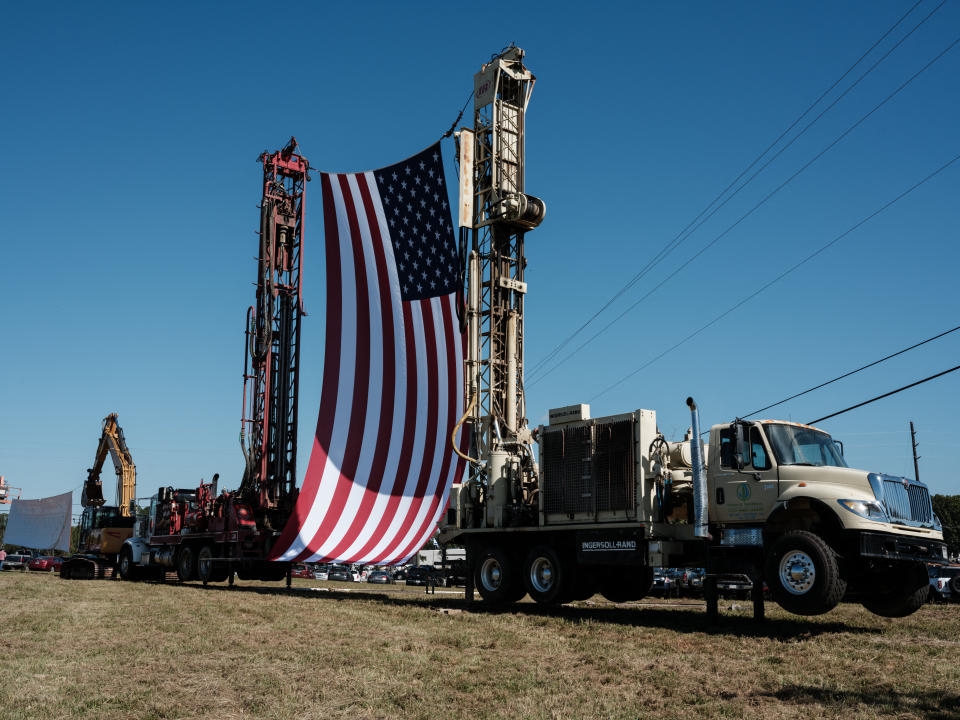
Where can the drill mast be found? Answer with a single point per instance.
(501, 215)
(268, 432)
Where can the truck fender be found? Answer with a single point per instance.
(139, 550)
(795, 511)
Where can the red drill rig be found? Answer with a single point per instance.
(206, 535)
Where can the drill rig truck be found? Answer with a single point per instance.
(606, 500)
(104, 528)
(208, 535)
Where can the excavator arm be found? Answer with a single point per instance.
(112, 442)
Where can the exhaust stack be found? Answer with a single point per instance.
(700, 499)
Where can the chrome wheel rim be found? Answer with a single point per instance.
(491, 574)
(542, 575)
(797, 572)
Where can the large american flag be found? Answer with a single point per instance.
(382, 463)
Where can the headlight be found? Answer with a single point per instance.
(869, 509)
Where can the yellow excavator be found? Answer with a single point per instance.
(103, 528)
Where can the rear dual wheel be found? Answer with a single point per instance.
(550, 578)
(496, 578)
(186, 564)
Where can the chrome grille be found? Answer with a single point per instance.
(920, 506)
(910, 503)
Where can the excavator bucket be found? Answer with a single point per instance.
(92, 495)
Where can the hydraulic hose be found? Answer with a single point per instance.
(456, 429)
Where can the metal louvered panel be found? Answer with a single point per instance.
(613, 465)
(566, 470)
(589, 468)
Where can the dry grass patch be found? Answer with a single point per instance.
(111, 650)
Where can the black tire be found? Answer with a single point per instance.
(125, 567)
(803, 574)
(898, 592)
(549, 577)
(205, 564)
(186, 564)
(955, 588)
(627, 585)
(495, 577)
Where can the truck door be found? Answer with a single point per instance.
(739, 497)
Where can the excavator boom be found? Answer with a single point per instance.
(113, 443)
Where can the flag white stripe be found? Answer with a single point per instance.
(399, 387)
(442, 422)
(348, 348)
(419, 439)
(374, 387)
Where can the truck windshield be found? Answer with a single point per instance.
(794, 445)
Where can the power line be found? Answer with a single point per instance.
(749, 212)
(853, 372)
(781, 275)
(885, 395)
(683, 234)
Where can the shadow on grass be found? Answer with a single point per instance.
(882, 699)
(679, 618)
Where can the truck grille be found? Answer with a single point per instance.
(910, 503)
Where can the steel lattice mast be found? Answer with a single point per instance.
(499, 213)
(272, 364)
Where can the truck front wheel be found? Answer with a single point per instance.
(898, 592)
(495, 578)
(125, 566)
(803, 574)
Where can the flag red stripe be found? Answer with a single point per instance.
(331, 375)
(383, 439)
(361, 382)
(409, 429)
(430, 519)
(431, 425)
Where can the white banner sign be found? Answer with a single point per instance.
(42, 524)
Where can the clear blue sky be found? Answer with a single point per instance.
(130, 133)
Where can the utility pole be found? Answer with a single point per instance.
(913, 442)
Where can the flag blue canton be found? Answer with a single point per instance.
(414, 195)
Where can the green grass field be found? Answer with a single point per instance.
(110, 649)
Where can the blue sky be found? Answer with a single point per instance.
(130, 134)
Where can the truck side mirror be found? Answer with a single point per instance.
(741, 451)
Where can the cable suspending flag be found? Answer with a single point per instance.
(382, 463)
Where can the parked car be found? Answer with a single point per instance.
(47, 563)
(420, 575)
(663, 585)
(944, 583)
(735, 586)
(693, 582)
(341, 574)
(321, 572)
(302, 571)
(380, 577)
(16, 562)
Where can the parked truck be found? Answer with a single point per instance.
(212, 534)
(613, 499)
(606, 500)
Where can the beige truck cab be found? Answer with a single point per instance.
(827, 530)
